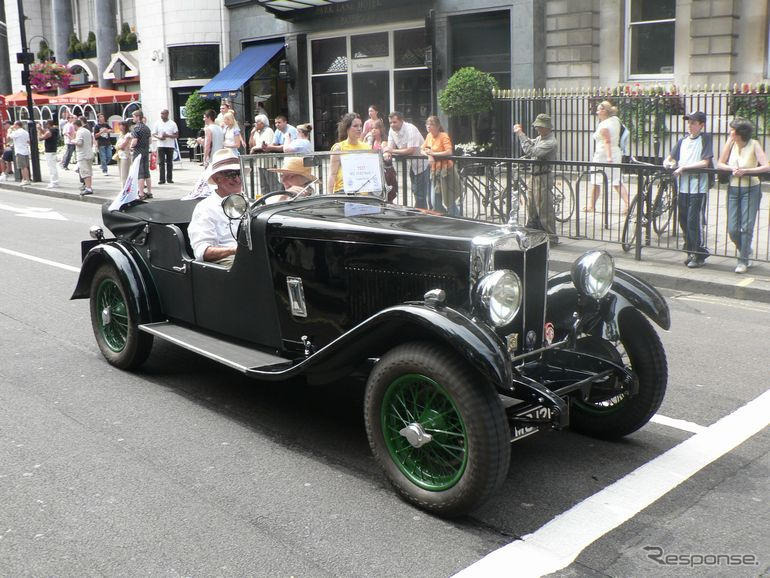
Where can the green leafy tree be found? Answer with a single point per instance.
(195, 106)
(468, 93)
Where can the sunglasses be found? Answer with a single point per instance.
(231, 174)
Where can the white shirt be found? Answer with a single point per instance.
(20, 139)
(64, 129)
(299, 145)
(168, 127)
(84, 144)
(405, 138)
(210, 227)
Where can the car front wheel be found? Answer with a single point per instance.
(115, 328)
(436, 428)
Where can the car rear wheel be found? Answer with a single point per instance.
(610, 414)
(436, 428)
(113, 322)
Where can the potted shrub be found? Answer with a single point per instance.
(468, 93)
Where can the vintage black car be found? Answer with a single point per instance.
(467, 343)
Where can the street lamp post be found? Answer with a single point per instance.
(25, 57)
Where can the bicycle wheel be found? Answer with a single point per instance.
(563, 198)
(497, 178)
(664, 189)
(628, 237)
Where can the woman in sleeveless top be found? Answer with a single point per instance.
(744, 158)
(231, 137)
(121, 150)
(349, 132)
(607, 150)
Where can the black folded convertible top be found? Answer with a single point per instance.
(130, 221)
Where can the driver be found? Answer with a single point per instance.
(209, 229)
(295, 177)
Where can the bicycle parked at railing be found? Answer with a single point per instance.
(485, 186)
(659, 186)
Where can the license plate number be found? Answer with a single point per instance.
(538, 413)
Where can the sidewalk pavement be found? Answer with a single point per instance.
(659, 267)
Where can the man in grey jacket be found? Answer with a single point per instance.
(544, 147)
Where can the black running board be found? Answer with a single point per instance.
(241, 357)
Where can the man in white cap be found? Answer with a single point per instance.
(209, 229)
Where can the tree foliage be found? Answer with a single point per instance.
(195, 107)
(468, 93)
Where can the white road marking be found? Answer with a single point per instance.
(557, 544)
(34, 212)
(678, 423)
(734, 303)
(40, 260)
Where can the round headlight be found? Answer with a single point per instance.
(235, 206)
(593, 273)
(499, 294)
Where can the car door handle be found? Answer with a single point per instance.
(182, 269)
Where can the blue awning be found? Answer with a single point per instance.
(233, 76)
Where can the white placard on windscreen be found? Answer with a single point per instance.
(361, 173)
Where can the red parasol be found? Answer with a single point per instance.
(95, 95)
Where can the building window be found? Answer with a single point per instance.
(193, 61)
(650, 37)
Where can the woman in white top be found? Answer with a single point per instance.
(607, 150)
(231, 133)
(744, 158)
(261, 133)
(121, 147)
(302, 144)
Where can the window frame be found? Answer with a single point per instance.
(171, 47)
(627, 45)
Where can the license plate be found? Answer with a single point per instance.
(522, 431)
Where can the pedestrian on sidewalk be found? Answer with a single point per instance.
(744, 158)
(260, 134)
(21, 148)
(166, 131)
(282, 130)
(6, 164)
(122, 147)
(140, 147)
(349, 131)
(445, 183)
(68, 134)
(50, 137)
(404, 139)
(607, 150)
(231, 134)
(213, 137)
(540, 210)
(84, 154)
(102, 133)
(692, 152)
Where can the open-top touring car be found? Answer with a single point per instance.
(466, 341)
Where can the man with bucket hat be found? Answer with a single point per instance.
(209, 230)
(540, 211)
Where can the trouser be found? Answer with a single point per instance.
(540, 212)
(420, 187)
(166, 164)
(68, 155)
(742, 208)
(105, 154)
(692, 220)
(53, 172)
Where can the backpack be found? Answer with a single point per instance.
(624, 142)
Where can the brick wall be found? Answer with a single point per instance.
(713, 34)
(571, 43)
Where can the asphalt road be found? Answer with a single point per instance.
(187, 468)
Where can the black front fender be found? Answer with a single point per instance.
(475, 343)
(142, 298)
(626, 291)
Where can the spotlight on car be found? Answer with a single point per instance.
(96, 232)
(498, 296)
(593, 273)
(235, 206)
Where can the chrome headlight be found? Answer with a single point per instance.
(499, 296)
(593, 273)
(234, 206)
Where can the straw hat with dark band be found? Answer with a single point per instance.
(295, 166)
(223, 160)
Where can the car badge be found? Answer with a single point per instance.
(530, 340)
(512, 341)
(525, 242)
(549, 333)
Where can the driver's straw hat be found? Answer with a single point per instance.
(295, 166)
(223, 160)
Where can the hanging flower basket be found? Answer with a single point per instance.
(49, 76)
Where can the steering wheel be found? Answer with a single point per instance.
(263, 198)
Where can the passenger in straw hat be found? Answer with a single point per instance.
(295, 177)
(540, 211)
(209, 229)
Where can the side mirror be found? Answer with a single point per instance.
(235, 206)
